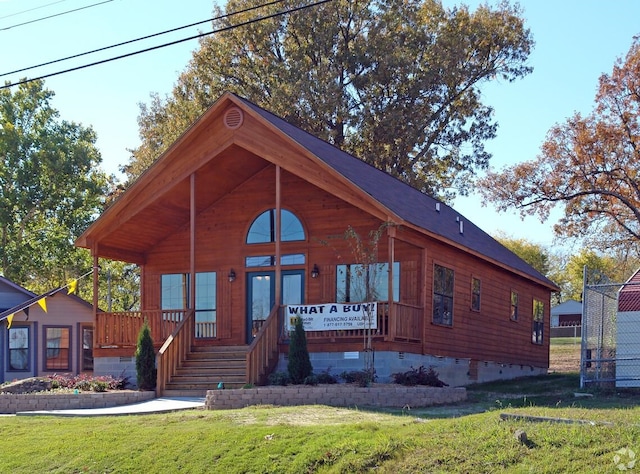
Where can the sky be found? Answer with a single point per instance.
(575, 42)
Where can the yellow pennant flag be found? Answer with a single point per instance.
(10, 320)
(72, 287)
(43, 304)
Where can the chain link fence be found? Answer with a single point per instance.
(610, 333)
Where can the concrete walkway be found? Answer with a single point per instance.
(157, 405)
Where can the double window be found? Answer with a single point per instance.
(443, 282)
(537, 333)
(175, 295)
(357, 283)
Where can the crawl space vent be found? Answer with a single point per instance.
(233, 118)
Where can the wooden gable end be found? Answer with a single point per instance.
(221, 159)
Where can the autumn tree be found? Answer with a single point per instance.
(534, 254)
(394, 82)
(590, 165)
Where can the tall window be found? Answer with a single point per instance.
(19, 348)
(87, 348)
(353, 280)
(58, 348)
(538, 322)
(514, 306)
(263, 228)
(175, 295)
(443, 279)
(475, 294)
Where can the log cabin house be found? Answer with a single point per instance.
(256, 211)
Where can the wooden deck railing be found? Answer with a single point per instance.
(262, 355)
(174, 351)
(121, 329)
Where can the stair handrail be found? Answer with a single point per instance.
(174, 351)
(262, 354)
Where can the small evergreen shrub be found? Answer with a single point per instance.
(299, 365)
(326, 378)
(419, 376)
(145, 359)
(99, 386)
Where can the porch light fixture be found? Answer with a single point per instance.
(315, 272)
(232, 275)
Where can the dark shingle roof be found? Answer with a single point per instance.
(405, 201)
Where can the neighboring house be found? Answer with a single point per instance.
(40, 343)
(627, 331)
(447, 295)
(568, 313)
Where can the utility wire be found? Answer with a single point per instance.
(53, 16)
(140, 39)
(31, 9)
(227, 28)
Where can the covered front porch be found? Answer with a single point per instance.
(176, 333)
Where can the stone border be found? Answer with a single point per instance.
(339, 395)
(14, 403)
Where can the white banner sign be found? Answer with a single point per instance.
(333, 316)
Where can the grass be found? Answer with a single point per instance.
(465, 437)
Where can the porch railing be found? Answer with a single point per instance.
(263, 351)
(408, 322)
(121, 329)
(174, 351)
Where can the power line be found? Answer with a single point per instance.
(201, 35)
(55, 15)
(140, 39)
(31, 9)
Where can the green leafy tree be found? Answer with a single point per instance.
(51, 187)
(394, 82)
(589, 165)
(534, 254)
(299, 365)
(145, 359)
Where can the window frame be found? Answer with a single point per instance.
(537, 320)
(476, 294)
(46, 348)
(27, 348)
(344, 281)
(441, 297)
(513, 313)
(254, 236)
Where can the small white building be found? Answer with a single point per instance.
(568, 313)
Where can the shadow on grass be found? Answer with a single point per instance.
(552, 390)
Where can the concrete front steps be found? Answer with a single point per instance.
(207, 366)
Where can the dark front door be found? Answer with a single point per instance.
(261, 290)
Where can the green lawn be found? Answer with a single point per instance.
(466, 437)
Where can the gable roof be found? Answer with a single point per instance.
(421, 210)
(567, 307)
(386, 195)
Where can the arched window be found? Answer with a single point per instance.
(263, 228)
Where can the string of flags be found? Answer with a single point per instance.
(40, 300)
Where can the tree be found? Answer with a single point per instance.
(51, 187)
(535, 255)
(299, 365)
(145, 359)
(590, 165)
(394, 82)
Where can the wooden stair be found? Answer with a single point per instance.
(205, 367)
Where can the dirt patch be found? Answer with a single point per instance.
(564, 358)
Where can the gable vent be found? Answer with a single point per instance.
(233, 118)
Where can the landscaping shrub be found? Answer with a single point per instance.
(145, 359)
(311, 380)
(278, 378)
(419, 376)
(326, 378)
(299, 365)
(363, 378)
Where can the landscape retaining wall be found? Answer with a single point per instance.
(339, 395)
(14, 403)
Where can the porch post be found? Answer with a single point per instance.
(94, 251)
(192, 242)
(277, 237)
(391, 328)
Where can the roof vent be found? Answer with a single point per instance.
(233, 118)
